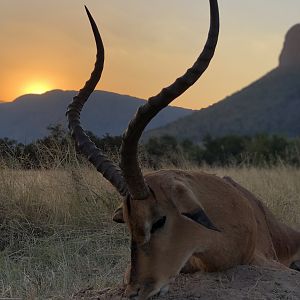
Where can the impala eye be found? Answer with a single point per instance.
(158, 224)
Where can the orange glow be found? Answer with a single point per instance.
(147, 47)
(36, 87)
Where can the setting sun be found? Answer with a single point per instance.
(36, 88)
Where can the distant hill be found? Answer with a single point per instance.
(269, 105)
(27, 118)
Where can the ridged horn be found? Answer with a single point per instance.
(105, 166)
(129, 157)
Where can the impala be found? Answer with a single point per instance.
(180, 220)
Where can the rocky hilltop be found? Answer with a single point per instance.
(290, 55)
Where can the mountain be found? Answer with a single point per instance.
(269, 105)
(27, 118)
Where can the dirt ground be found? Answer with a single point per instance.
(242, 282)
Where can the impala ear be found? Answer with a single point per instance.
(118, 215)
(187, 203)
(200, 217)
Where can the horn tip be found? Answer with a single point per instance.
(87, 11)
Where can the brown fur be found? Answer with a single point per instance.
(282, 242)
(248, 232)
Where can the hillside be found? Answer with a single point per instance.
(27, 118)
(269, 105)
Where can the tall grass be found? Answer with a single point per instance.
(56, 233)
(57, 237)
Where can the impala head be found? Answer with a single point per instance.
(162, 235)
(163, 238)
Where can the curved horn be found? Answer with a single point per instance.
(108, 169)
(129, 158)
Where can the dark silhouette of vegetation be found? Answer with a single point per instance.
(260, 150)
(57, 149)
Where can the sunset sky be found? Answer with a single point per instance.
(49, 45)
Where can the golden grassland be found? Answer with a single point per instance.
(57, 236)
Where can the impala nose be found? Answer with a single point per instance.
(132, 292)
(137, 292)
(134, 296)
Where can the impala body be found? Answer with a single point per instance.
(247, 232)
(180, 220)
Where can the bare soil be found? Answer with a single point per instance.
(242, 282)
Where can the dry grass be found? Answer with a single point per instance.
(56, 233)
